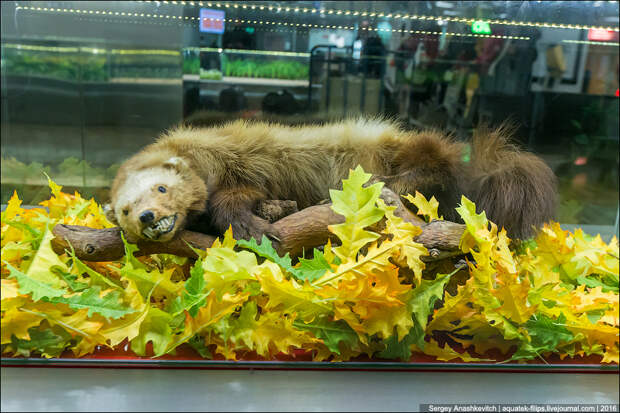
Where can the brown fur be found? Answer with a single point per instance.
(235, 165)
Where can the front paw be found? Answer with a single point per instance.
(254, 227)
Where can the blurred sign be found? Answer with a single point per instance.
(602, 35)
(212, 21)
(480, 27)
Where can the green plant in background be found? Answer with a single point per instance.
(266, 69)
(16, 171)
(212, 74)
(92, 67)
(70, 172)
(191, 66)
(65, 67)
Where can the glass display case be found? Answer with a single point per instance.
(85, 85)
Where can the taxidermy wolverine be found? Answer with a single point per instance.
(224, 171)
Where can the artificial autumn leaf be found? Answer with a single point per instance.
(128, 327)
(288, 295)
(513, 295)
(403, 234)
(332, 333)
(80, 268)
(401, 349)
(223, 268)
(155, 329)
(45, 259)
(13, 208)
(49, 343)
(266, 250)
(274, 334)
(426, 208)
(554, 294)
(312, 270)
(423, 297)
(108, 305)
(594, 299)
(611, 355)
(17, 323)
(194, 296)
(357, 205)
(9, 289)
(546, 334)
(29, 285)
(447, 354)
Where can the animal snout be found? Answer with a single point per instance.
(146, 217)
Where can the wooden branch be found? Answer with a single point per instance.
(299, 231)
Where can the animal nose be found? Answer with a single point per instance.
(146, 216)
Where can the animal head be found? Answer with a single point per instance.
(152, 195)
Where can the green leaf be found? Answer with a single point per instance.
(109, 306)
(71, 280)
(423, 297)
(156, 329)
(395, 349)
(45, 258)
(592, 282)
(422, 302)
(130, 259)
(96, 278)
(312, 270)
(29, 285)
(266, 250)
(223, 266)
(358, 206)
(546, 335)
(37, 236)
(309, 270)
(146, 280)
(48, 342)
(193, 297)
(331, 332)
(198, 343)
(473, 221)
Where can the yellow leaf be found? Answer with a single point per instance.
(446, 354)
(44, 261)
(16, 322)
(611, 316)
(9, 289)
(611, 355)
(289, 295)
(128, 327)
(513, 295)
(383, 319)
(425, 207)
(595, 333)
(594, 299)
(403, 233)
(274, 334)
(13, 208)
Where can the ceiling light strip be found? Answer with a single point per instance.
(387, 15)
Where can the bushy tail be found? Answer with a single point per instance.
(516, 189)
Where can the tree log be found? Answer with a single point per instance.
(299, 231)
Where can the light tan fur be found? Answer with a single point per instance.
(225, 170)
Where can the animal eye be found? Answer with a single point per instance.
(162, 189)
(125, 211)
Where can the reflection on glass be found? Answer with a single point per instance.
(87, 84)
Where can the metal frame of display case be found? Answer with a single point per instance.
(190, 363)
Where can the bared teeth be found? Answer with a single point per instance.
(163, 225)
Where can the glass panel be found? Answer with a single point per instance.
(87, 84)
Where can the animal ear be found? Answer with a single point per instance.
(175, 162)
(109, 213)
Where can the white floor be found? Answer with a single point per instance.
(81, 389)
